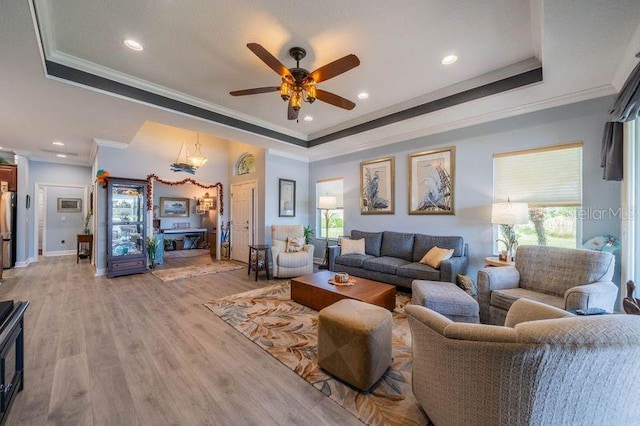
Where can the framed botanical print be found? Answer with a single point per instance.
(377, 186)
(432, 181)
(287, 196)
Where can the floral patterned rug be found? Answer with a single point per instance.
(195, 270)
(288, 332)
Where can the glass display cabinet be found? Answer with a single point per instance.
(126, 227)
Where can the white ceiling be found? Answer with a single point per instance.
(195, 51)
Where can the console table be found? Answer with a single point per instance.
(190, 234)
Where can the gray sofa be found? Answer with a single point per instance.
(393, 257)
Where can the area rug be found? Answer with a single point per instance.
(195, 270)
(288, 332)
(174, 254)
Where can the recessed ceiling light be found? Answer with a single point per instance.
(308, 118)
(449, 59)
(133, 45)
(58, 143)
(363, 95)
(61, 155)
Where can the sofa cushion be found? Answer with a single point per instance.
(423, 243)
(354, 260)
(397, 244)
(293, 260)
(372, 241)
(418, 271)
(503, 299)
(387, 265)
(352, 246)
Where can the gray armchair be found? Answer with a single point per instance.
(546, 367)
(565, 278)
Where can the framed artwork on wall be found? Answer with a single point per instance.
(287, 196)
(377, 186)
(174, 207)
(70, 205)
(431, 181)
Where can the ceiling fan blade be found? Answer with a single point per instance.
(271, 61)
(255, 91)
(335, 68)
(333, 99)
(292, 114)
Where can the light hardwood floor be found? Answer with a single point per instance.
(138, 351)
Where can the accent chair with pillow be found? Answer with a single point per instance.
(545, 367)
(565, 278)
(291, 256)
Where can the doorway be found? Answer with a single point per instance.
(243, 213)
(55, 231)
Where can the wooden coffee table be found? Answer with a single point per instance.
(315, 291)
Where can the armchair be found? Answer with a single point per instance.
(565, 278)
(546, 366)
(286, 265)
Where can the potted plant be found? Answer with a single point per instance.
(152, 246)
(308, 234)
(86, 222)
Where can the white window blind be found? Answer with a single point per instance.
(550, 176)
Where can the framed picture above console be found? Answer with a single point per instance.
(174, 207)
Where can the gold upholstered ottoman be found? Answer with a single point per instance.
(354, 342)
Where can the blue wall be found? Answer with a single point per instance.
(475, 147)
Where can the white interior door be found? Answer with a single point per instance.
(242, 226)
(41, 216)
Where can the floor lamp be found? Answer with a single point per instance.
(326, 203)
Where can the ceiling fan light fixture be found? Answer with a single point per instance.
(296, 100)
(285, 89)
(310, 90)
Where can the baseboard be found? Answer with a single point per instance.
(60, 253)
(100, 272)
(26, 263)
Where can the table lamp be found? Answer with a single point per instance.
(509, 214)
(326, 203)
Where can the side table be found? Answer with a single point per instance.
(254, 262)
(85, 247)
(495, 261)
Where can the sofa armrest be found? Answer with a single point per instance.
(524, 310)
(450, 268)
(494, 278)
(427, 318)
(601, 294)
(309, 248)
(334, 251)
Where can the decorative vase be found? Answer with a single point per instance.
(87, 231)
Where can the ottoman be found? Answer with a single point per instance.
(354, 342)
(446, 299)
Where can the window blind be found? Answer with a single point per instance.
(550, 176)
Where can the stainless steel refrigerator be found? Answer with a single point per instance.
(7, 226)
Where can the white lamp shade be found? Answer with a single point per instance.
(327, 202)
(510, 213)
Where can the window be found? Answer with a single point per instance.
(549, 179)
(329, 190)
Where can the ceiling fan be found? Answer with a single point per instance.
(298, 84)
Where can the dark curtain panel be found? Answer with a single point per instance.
(626, 107)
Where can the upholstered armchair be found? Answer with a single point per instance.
(564, 278)
(287, 262)
(545, 367)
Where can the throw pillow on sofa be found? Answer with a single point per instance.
(294, 244)
(352, 246)
(435, 256)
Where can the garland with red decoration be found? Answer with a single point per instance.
(152, 177)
